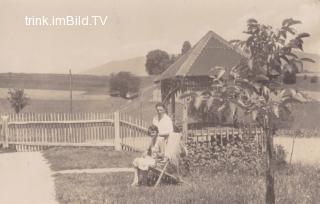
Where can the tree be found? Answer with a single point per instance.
(289, 77)
(314, 79)
(17, 99)
(157, 61)
(255, 84)
(185, 47)
(123, 83)
(173, 58)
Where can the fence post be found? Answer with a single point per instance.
(4, 130)
(117, 140)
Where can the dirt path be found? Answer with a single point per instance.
(25, 178)
(101, 170)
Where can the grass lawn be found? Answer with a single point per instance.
(62, 158)
(296, 184)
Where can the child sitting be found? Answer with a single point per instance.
(148, 159)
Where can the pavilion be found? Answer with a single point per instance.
(191, 70)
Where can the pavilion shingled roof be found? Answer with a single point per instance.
(211, 50)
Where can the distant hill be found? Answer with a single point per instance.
(134, 65)
(137, 65)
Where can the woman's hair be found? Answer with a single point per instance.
(152, 128)
(161, 105)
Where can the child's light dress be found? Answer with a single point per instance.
(144, 162)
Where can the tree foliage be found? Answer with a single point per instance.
(173, 58)
(185, 47)
(254, 85)
(157, 61)
(124, 82)
(17, 99)
(314, 79)
(289, 77)
(270, 50)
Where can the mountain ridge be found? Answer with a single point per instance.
(135, 65)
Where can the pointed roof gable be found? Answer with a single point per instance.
(212, 50)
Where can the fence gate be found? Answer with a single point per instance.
(133, 133)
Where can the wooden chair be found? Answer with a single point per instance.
(172, 158)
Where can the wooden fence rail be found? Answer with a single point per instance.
(223, 136)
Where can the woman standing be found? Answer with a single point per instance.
(164, 124)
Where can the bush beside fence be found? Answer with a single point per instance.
(230, 149)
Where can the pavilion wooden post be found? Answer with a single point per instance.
(173, 108)
(185, 120)
(4, 131)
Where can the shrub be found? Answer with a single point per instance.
(123, 83)
(17, 99)
(233, 156)
(289, 77)
(280, 155)
(305, 77)
(314, 79)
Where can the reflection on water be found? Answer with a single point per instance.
(56, 95)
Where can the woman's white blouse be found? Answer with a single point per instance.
(165, 125)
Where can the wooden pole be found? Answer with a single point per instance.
(117, 144)
(70, 88)
(141, 104)
(5, 131)
(185, 120)
(161, 174)
(173, 108)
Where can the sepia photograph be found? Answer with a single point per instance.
(159, 101)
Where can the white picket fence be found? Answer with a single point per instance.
(35, 131)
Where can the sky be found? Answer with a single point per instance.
(132, 28)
